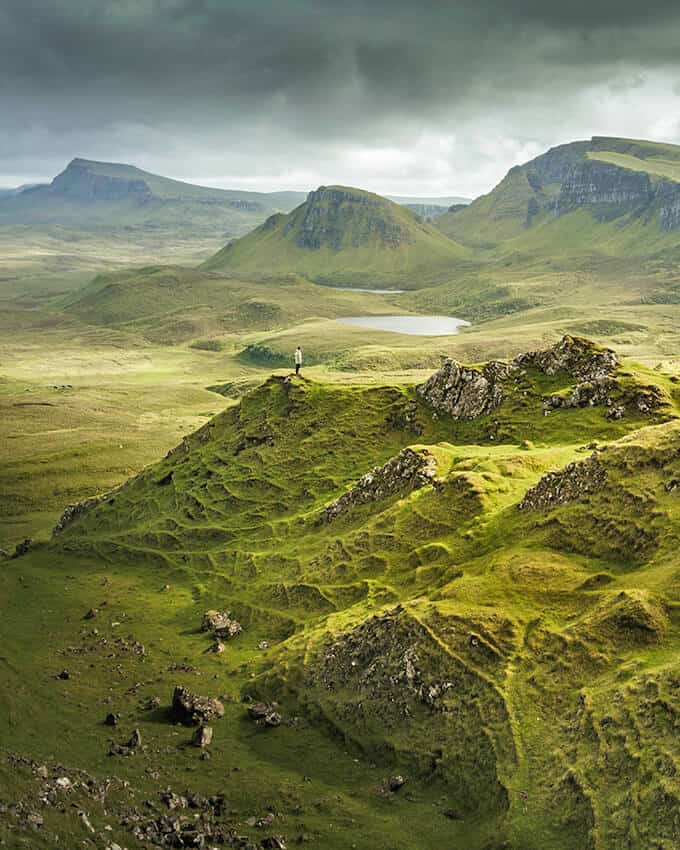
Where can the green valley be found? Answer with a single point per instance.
(424, 594)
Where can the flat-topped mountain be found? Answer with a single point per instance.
(88, 194)
(634, 184)
(342, 234)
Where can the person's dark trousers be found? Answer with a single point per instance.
(297, 368)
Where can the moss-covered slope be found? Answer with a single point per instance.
(492, 616)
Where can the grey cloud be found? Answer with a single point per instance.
(359, 73)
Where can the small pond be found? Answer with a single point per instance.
(370, 291)
(416, 325)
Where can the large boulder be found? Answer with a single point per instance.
(190, 708)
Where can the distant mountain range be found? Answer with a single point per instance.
(90, 194)
(99, 194)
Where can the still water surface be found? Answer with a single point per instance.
(416, 325)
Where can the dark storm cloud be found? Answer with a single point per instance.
(362, 73)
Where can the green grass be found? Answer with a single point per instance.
(551, 682)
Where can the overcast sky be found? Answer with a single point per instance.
(423, 97)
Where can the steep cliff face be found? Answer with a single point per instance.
(609, 178)
(612, 191)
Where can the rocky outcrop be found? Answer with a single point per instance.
(72, 512)
(570, 484)
(585, 394)
(609, 393)
(192, 709)
(578, 357)
(464, 392)
(410, 470)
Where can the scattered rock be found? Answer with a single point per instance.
(64, 675)
(91, 614)
(570, 484)
(217, 648)
(129, 748)
(192, 709)
(395, 783)
(265, 714)
(42, 772)
(21, 548)
(407, 471)
(111, 719)
(63, 782)
(202, 737)
(585, 394)
(35, 820)
(136, 740)
(85, 820)
(274, 842)
(263, 644)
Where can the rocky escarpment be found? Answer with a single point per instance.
(611, 190)
(330, 214)
(570, 484)
(410, 470)
(464, 392)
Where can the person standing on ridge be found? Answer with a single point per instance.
(298, 360)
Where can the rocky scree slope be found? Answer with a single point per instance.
(504, 631)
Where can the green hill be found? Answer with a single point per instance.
(347, 236)
(459, 618)
(629, 190)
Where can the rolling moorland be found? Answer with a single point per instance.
(396, 602)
